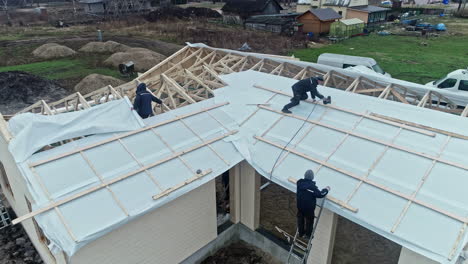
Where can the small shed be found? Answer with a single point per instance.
(236, 11)
(282, 23)
(318, 21)
(369, 14)
(94, 6)
(346, 28)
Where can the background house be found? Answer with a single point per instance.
(369, 14)
(341, 6)
(318, 20)
(281, 23)
(114, 6)
(236, 11)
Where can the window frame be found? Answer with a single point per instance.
(465, 85)
(454, 85)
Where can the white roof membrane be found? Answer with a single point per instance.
(407, 184)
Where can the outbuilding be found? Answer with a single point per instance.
(236, 11)
(369, 14)
(318, 21)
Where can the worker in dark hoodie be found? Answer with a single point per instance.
(307, 193)
(300, 90)
(143, 99)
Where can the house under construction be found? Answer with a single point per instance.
(91, 182)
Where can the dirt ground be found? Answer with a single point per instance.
(15, 246)
(353, 244)
(240, 253)
(18, 90)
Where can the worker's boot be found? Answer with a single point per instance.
(286, 111)
(327, 100)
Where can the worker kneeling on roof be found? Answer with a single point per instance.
(300, 90)
(306, 194)
(143, 99)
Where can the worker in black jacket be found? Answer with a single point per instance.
(143, 99)
(306, 194)
(300, 90)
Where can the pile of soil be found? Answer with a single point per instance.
(19, 90)
(104, 47)
(240, 253)
(15, 247)
(94, 81)
(144, 59)
(181, 13)
(53, 50)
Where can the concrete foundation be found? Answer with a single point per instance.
(233, 234)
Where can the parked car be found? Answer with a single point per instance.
(456, 81)
(346, 61)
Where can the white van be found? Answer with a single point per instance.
(456, 81)
(345, 61)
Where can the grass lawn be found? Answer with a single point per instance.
(63, 68)
(401, 56)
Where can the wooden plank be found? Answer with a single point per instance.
(416, 125)
(457, 241)
(385, 92)
(418, 188)
(424, 99)
(118, 179)
(374, 164)
(196, 79)
(370, 90)
(163, 63)
(173, 151)
(177, 88)
(203, 141)
(126, 135)
(465, 111)
(331, 198)
(375, 140)
(116, 199)
(372, 183)
(214, 74)
(399, 96)
(417, 130)
(182, 184)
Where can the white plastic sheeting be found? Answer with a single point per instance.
(32, 132)
(101, 211)
(422, 230)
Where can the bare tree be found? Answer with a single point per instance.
(5, 7)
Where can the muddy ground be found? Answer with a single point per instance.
(353, 244)
(240, 253)
(15, 246)
(19, 90)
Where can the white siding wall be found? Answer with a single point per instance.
(18, 200)
(167, 235)
(324, 238)
(410, 257)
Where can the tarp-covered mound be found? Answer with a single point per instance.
(144, 59)
(94, 81)
(104, 47)
(53, 50)
(19, 90)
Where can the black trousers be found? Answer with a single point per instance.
(297, 97)
(145, 116)
(308, 219)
